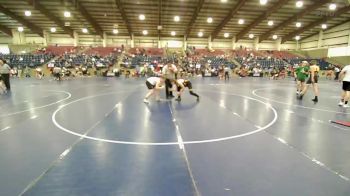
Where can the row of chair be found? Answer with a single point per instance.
(31, 60)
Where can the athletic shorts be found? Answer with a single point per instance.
(189, 85)
(178, 88)
(301, 79)
(346, 86)
(149, 85)
(315, 79)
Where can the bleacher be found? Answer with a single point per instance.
(209, 53)
(22, 60)
(141, 59)
(320, 62)
(272, 58)
(264, 63)
(103, 51)
(105, 56)
(140, 56)
(294, 59)
(171, 58)
(71, 60)
(264, 59)
(216, 61)
(278, 54)
(147, 51)
(60, 50)
(155, 52)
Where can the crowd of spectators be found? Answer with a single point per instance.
(72, 60)
(149, 61)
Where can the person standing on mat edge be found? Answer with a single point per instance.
(345, 95)
(227, 72)
(181, 84)
(337, 72)
(169, 73)
(313, 79)
(5, 73)
(301, 74)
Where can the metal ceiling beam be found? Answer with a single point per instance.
(87, 17)
(125, 19)
(23, 21)
(6, 30)
(227, 19)
(293, 18)
(194, 17)
(159, 16)
(261, 18)
(339, 12)
(348, 20)
(45, 12)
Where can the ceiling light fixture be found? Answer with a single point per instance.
(299, 4)
(53, 29)
(66, 14)
(263, 2)
(27, 13)
(176, 18)
(142, 17)
(332, 6)
(210, 20)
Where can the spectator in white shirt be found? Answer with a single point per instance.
(345, 77)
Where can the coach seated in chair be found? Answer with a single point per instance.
(257, 72)
(116, 72)
(56, 72)
(84, 71)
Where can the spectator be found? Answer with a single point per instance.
(336, 71)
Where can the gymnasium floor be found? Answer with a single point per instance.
(248, 136)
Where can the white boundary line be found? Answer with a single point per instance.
(44, 106)
(182, 147)
(64, 153)
(178, 133)
(305, 107)
(4, 129)
(314, 160)
(163, 143)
